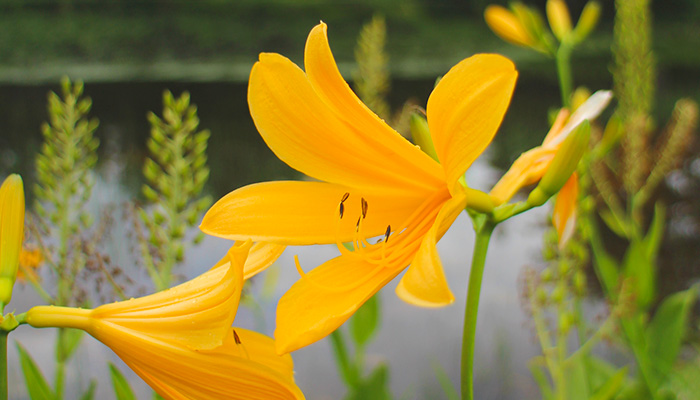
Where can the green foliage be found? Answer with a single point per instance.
(364, 323)
(37, 386)
(90, 392)
(175, 172)
(122, 390)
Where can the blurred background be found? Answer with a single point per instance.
(128, 52)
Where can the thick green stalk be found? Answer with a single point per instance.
(3, 365)
(483, 235)
(563, 58)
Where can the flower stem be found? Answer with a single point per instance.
(563, 59)
(483, 229)
(3, 365)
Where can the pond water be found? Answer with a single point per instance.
(411, 341)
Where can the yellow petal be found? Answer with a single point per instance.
(302, 213)
(309, 312)
(326, 80)
(466, 108)
(261, 256)
(307, 134)
(424, 282)
(247, 370)
(564, 214)
(196, 314)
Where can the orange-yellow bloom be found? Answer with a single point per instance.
(532, 165)
(180, 341)
(30, 259)
(374, 183)
(11, 233)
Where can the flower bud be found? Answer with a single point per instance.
(587, 21)
(421, 135)
(11, 233)
(479, 201)
(507, 26)
(559, 19)
(563, 165)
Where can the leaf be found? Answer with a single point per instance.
(122, 390)
(611, 387)
(652, 241)
(375, 387)
(70, 338)
(599, 372)
(541, 379)
(365, 321)
(605, 266)
(575, 378)
(37, 386)
(638, 266)
(666, 330)
(90, 393)
(445, 382)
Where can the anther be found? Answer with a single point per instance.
(342, 209)
(364, 207)
(387, 233)
(345, 197)
(236, 338)
(357, 225)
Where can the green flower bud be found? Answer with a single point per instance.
(421, 135)
(563, 165)
(587, 21)
(559, 19)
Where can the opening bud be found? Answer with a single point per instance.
(507, 26)
(563, 165)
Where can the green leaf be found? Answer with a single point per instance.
(365, 321)
(638, 266)
(599, 372)
(375, 387)
(37, 386)
(90, 393)
(540, 378)
(605, 266)
(611, 387)
(652, 241)
(122, 390)
(445, 382)
(666, 330)
(576, 379)
(70, 339)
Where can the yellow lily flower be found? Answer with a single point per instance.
(11, 233)
(180, 341)
(532, 165)
(374, 183)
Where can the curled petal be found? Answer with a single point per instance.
(466, 108)
(564, 214)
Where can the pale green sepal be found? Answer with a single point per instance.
(479, 201)
(9, 323)
(563, 165)
(421, 135)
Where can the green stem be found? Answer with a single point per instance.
(483, 235)
(563, 59)
(60, 364)
(3, 365)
